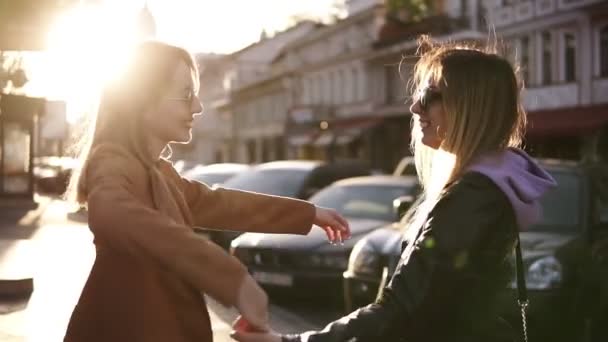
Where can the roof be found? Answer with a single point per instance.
(382, 180)
(220, 168)
(325, 30)
(290, 164)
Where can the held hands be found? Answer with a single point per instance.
(252, 304)
(334, 225)
(245, 332)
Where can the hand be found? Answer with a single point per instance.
(252, 304)
(241, 324)
(334, 225)
(243, 333)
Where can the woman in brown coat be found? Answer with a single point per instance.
(151, 270)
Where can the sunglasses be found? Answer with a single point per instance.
(188, 98)
(427, 97)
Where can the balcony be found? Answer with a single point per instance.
(571, 4)
(553, 96)
(545, 7)
(523, 11)
(502, 16)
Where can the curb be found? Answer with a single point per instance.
(16, 268)
(16, 287)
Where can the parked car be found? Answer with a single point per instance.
(565, 256)
(405, 167)
(215, 174)
(290, 178)
(182, 166)
(294, 262)
(52, 174)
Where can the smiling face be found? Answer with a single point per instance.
(171, 118)
(429, 111)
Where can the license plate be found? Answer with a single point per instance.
(273, 278)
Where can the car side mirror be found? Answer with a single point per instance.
(401, 205)
(310, 191)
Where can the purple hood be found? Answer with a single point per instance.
(520, 178)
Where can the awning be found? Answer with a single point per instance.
(567, 121)
(350, 129)
(347, 136)
(360, 123)
(299, 140)
(324, 139)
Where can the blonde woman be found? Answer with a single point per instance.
(479, 189)
(151, 270)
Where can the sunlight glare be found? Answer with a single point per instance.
(87, 48)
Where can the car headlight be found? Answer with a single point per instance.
(542, 274)
(364, 260)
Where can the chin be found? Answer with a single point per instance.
(430, 142)
(182, 138)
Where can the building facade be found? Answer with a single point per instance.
(339, 91)
(561, 47)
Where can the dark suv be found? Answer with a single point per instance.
(565, 257)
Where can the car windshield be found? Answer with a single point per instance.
(561, 206)
(280, 182)
(212, 178)
(362, 201)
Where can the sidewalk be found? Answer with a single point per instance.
(56, 250)
(49, 254)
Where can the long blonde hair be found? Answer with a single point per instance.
(481, 101)
(123, 100)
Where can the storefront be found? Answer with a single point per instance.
(380, 140)
(18, 120)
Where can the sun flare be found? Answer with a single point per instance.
(87, 46)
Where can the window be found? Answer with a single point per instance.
(524, 59)
(569, 57)
(604, 51)
(394, 89)
(326, 89)
(353, 87)
(306, 91)
(546, 58)
(338, 88)
(318, 90)
(347, 86)
(332, 88)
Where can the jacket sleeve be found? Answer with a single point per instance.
(221, 208)
(424, 280)
(120, 221)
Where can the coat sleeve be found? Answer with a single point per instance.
(424, 280)
(221, 208)
(120, 221)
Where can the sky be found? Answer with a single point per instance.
(223, 26)
(88, 45)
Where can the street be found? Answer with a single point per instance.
(60, 253)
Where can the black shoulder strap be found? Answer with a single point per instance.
(522, 292)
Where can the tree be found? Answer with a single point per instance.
(414, 10)
(23, 27)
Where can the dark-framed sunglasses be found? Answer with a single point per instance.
(188, 98)
(427, 97)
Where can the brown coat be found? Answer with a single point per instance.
(151, 269)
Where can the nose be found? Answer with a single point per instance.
(416, 108)
(197, 105)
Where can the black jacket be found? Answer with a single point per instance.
(446, 283)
